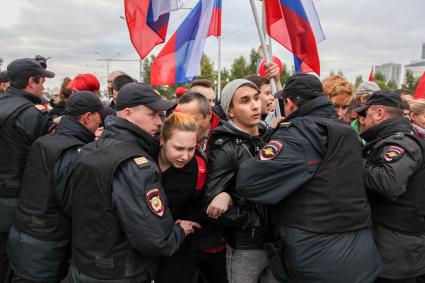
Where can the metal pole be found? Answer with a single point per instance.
(267, 56)
(141, 71)
(219, 69)
(262, 39)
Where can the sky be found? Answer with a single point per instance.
(77, 33)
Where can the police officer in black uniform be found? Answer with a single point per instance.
(22, 121)
(121, 224)
(39, 241)
(395, 178)
(310, 175)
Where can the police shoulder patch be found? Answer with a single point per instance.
(271, 150)
(141, 161)
(285, 124)
(39, 107)
(393, 153)
(154, 201)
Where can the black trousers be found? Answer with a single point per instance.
(4, 260)
(187, 266)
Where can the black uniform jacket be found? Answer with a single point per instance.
(286, 165)
(47, 260)
(142, 226)
(395, 179)
(17, 132)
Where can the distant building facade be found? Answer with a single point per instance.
(391, 71)
(417, 67)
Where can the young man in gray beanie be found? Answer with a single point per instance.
(245, 225)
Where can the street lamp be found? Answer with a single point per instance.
(107, 60)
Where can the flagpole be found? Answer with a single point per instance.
(219, 69)
(267, 56)
(262, 40)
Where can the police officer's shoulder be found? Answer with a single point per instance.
(141, 161)
(398, 144)
(285, 125)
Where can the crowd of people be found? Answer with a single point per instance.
(206, 189)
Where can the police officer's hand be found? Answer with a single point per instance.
(188, 226)
(219, 205)
(276, 121)
(99, 132)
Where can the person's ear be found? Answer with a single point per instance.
(230, 113)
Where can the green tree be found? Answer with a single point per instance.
(239, 68)
(207, 69)
(147, 62)
(359, 80)
(225, 77)
(391, 85)
(341, 73)
(253, 60)
(409, 81)
(379, 77)
(285, 74)
(381, 81)
(331, 73)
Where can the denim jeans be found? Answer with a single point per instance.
(248, 266)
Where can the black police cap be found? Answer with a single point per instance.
(381, 97)
(4, 78)
(81, 102)
(305, 86)
(22, 69)
(134, 94)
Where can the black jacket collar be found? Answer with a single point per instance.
(227, 129)
(387, 128)
(320, 106)
(125, 131)
(69, 127)
(19, 92)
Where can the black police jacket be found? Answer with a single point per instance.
(121, 222)
(39, 243)
(21, 123)
(246, 224)
(395, 176)
(310, 175)
(298, 172)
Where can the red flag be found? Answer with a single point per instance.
(420, 89)
(145, 33)
(371, 75)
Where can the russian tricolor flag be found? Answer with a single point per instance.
(295, 25)
(147, 22)
(180, 59)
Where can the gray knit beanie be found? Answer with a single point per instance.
(230, 89)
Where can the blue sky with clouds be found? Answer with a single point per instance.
(359, 34)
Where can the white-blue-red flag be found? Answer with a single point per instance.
(180, 59)
(147, 22)
(295, 25)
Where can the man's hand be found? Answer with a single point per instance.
(273, 72)
(188, 226)
(98, 132)
(219, 205)
(276, 121)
